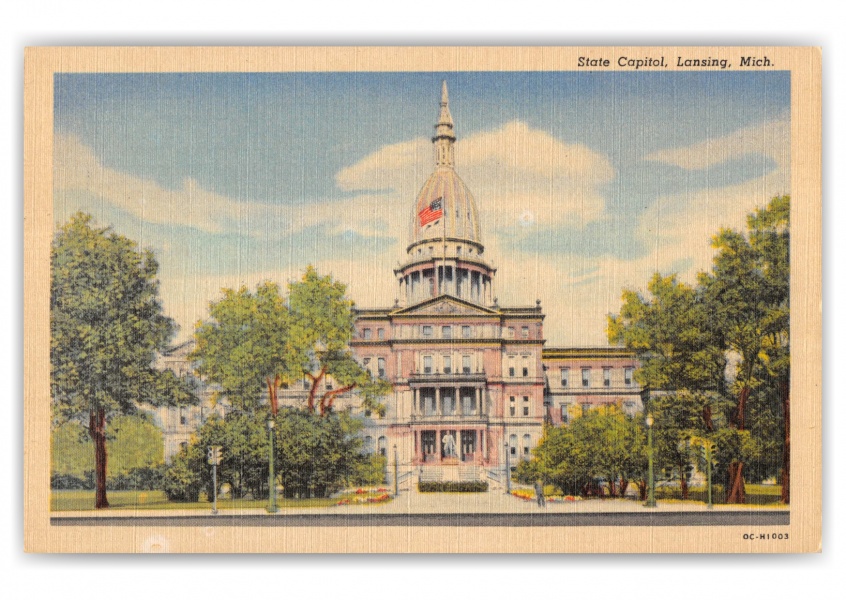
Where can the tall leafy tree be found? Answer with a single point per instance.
(748, 294)
(735, 321)
(322, 323)
(107, 326)
(602, 444)
(243, 347)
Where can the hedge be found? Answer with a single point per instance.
(452, 486)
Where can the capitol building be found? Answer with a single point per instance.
(473, 381)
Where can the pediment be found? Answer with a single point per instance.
(446, 305)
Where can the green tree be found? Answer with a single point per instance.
(243, 347)
(317, 455)
(747, 293)
(603, 444)
(735, 321)
(322, 323)
(106, 326)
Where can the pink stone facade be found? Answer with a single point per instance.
(473, 384)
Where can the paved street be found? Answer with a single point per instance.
(412, 508)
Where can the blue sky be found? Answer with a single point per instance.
(586, 182)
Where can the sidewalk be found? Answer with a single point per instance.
(410, 501)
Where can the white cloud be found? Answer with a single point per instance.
(76, 169)
(520, 176)
(769, 139)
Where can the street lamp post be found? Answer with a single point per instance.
(396, 472)
(708, 459)
(271, 479)
(650, 499)
(507, 470)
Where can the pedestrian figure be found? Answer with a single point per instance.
(539, 493)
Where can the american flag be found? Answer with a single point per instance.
(435, 210)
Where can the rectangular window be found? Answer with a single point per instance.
(367, 333)
(447, 364)
(525, 371)
(381, 366)
(511, 371)
(512, 409)
(565, 377)
(427, 331)
(524, 331)
(586, 377)
(606, 376)
(510, 332)
(427, 364)
(565, 414)
(525, 406)
(465, 364)
(465, 331)
(512, 439)
(585, 407)
(380, 333)
(527, 442)
(446, 332)
(628, 375)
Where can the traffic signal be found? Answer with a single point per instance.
(214, 455)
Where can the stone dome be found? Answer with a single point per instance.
(445, 208)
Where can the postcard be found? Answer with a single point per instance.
(425, 300)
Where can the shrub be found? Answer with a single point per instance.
(140, 478)
(371, 471)
(452, 486)
(61, 481)
(181, 481)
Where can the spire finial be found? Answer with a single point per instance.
(444, 135)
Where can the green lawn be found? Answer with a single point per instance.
(755, 493)
(68, 500)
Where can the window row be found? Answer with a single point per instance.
(513, 447)
(446, 366)
(512, 406)
(380, 364)
(607, 377)
(447, 332)
(523, 369)
(367, 333)
(382, 447)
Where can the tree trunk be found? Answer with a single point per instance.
(273, 394)
(328, 399)
(707, 418)
(641, 489)
(737, 491)
(624, 485)
(785, 468)
(685, 490)
(97, 430)
(740, 415)
(312, 393)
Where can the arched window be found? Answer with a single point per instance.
(368, 444)
(512, 443)
(383, 445)
(527, 442)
